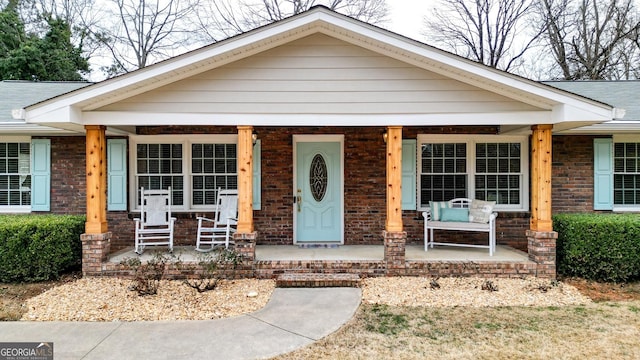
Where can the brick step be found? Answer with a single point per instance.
(311, 280)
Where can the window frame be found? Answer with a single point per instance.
(471, 140)
(18, 208)
(186, 141)
(618, 139)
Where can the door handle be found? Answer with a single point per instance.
(299, 200)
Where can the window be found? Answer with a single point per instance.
(15, 174)
(160, 167)
(213, 166)
(483, 167)
(194, 168)
(498, 175)
(444, 171)
(626, 173)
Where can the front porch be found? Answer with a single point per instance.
(362, 210)
(363, 260)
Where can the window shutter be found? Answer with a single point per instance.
(257, 175)
(603, 174)
(117, 174)
(40, 174)
(409, 174)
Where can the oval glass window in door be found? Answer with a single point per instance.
(318, 177)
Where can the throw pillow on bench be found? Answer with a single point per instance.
(455, 214)
(436, 209)
(480, 211)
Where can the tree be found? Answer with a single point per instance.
(488, 31)
(11, 29)
(592, 39)
(51, 58)
(224, 18)
(145, 31)
(81, 15)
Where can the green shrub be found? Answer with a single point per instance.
(603, 247)
(39, 247)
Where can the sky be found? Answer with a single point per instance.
(407, 16)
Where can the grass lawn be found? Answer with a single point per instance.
(602, 330)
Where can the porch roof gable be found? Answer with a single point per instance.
(564, 109)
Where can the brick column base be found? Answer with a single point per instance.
(542, 250)
(394, 252)
(95, 252)
(246, 245)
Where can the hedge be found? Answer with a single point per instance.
(39, 247)
(602, 247)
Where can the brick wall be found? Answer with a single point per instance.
(572, 174)
(68, 180)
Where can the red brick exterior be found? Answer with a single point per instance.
(572, 174)
(542, 251)
(95, 252)
(394, 252)
(68, 179)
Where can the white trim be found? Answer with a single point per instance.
(186, 140)
(318, 138)
(18, 114)
(609, 127)
(16, 127)
(626, 208)
(120, 118)
(471, 140)
(626, 138)
(20, 209)
(12, 138)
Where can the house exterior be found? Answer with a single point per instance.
(386, 123)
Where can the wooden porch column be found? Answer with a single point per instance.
(541, 178)
(394, 179)
(96, 159)
(245, 179)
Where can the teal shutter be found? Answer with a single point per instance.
(409, 174)
(40, 174)
(117, 174)
(603, 174)
(257, 175)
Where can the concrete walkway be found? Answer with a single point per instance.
(293, 318)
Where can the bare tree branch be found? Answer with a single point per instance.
(488, 31)
(221, 19)
(146, 31)
(592, 39)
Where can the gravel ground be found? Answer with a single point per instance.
(110, 299)
(475, 292)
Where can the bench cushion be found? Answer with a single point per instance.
(458, 225)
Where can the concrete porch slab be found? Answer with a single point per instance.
(341, 253)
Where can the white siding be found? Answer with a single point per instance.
(319, 75)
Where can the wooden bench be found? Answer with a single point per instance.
(430, 225)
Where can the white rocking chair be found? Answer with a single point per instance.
(155, 225)
(220, 229)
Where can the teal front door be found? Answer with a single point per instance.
(318, 193)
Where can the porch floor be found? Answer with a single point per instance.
(344, 252)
